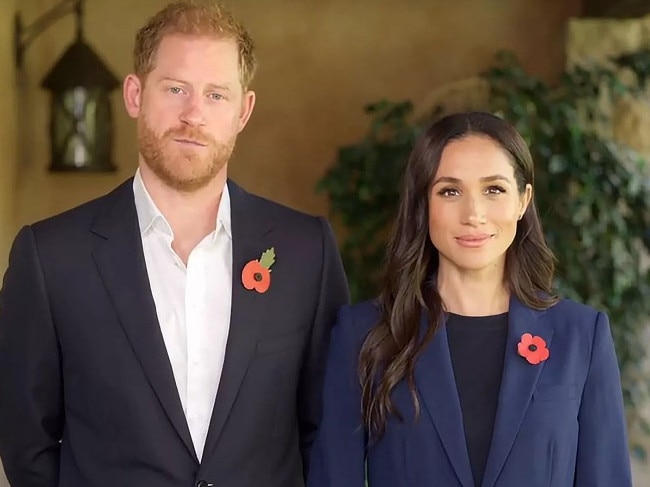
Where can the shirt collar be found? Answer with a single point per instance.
(223, 215)
(149, 214)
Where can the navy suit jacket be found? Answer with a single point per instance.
(87, 392)
(559, 423)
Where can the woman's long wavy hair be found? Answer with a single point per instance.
(391, 349)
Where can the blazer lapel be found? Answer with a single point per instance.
(119, 257)
(436, 383)
(248, 315)
(517, 386)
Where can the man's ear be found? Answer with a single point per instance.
(132, 94)
(248, 103)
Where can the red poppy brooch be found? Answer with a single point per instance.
(533, 348)
(257, 273)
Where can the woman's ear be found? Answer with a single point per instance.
(524, 200)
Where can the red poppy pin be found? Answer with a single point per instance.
(533, 348)
(257, 273)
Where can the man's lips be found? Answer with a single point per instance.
(190, 142)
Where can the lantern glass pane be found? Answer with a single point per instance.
(81, 130)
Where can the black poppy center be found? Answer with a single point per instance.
(257, 276)
(532, 348)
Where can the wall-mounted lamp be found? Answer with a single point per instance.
(81, 120)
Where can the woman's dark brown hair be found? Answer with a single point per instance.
(390, 351)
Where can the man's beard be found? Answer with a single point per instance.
(182, 168)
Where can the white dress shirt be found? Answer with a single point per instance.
(193, 305)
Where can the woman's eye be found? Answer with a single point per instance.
(448, 192)
(495, 190)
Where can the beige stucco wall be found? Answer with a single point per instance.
(320, 63)
(7, 131)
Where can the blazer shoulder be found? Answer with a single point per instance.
(576, 322)
(356, 320)
(278, 212)
(71, 223)
(574, 311)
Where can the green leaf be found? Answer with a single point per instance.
(268, 258)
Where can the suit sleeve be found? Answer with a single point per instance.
(338, 456)
(334, 293)
(603, 458)
(31, 410)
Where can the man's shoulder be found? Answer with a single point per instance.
(81, 216)
(278, 212)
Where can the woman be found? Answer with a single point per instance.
(468, 371)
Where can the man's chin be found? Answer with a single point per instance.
(188, 184)
(193, 180)
(185, 175)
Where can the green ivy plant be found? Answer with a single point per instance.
(593, 195)
(363, 188)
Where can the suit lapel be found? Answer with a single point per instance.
(517, 386)
(249, 228)
(119, 257)
(435, 379)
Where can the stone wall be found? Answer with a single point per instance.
(598, 40)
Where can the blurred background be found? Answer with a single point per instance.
(573, 81)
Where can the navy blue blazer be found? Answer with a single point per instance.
(87, 391)
(559, 423)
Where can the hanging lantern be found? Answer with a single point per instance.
(81, 121)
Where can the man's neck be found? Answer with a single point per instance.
(191, 215)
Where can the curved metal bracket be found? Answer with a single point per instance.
(25, 35)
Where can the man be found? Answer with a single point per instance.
(171, 333)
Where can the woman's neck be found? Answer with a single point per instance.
(473, 293)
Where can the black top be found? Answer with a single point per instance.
(477, 347)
